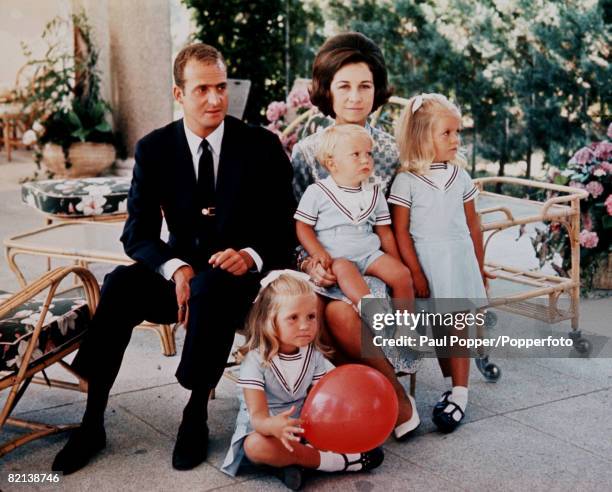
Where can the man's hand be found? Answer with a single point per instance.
(234, 262)
(182, 277)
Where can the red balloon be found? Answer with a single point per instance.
(352, 409)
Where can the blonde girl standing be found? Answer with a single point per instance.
(436, 225)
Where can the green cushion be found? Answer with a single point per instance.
(65, 320)
(78, 197)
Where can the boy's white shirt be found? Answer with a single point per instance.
(354, 201)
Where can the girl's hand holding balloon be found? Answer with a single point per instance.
(285, 428)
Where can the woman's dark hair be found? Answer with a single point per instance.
(341, 50)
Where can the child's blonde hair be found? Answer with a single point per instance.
(262, 334)
(414, 133)
(330, 137)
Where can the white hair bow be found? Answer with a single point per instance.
(418, 102)
(275, 274)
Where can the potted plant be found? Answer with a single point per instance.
(72, 133)
(590, 169)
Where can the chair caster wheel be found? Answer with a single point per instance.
(490, 371)
(583, 346)
(490, 320)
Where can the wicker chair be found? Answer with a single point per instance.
(14, 119)
(38, 338)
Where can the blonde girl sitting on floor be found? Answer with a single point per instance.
(284, 360)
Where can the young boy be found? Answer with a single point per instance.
(343, 221)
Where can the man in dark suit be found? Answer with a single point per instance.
(224, 189)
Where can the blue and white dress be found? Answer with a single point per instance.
(439, 229)
(343, 219)
(285, 381)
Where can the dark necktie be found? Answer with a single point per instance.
(206, 177)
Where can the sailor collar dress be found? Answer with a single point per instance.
(310, 367)
(439, 229)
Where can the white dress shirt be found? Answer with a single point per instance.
(194, 142)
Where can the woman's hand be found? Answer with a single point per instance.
(421, 287)
(486, 276)
(286, 429)
(319, 275)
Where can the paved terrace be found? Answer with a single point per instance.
(544, 426)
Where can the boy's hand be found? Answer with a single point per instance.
(421, 287)
(323, 258)
(286, 429)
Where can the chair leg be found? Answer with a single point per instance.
(40, 430)
(17, 391)
(170, 341)
(6, 130)
(166, 337)
(412, 384)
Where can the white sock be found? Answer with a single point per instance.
(331, 462)
(367, 296)
(459, 396)
(448, 382)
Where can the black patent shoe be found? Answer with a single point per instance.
(449, 418)
(368, 460)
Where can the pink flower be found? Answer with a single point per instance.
(603, 151)
(299, 98)
(276, 109)
(595, 188)
(608, 204)
(598, 171)
(609, 132)
(289, 142)
(588, 239)
(587, 223)
(583, 156)
(606, 166)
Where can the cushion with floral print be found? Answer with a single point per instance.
(78, 197)
(65, 320)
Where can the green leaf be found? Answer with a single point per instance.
(74, 119)
(607, 222)
(561, 180)
(103, 127)
(81, 134)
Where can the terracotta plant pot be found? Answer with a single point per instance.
(87, 159)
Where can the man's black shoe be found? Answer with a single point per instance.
(191, 446)
(83, 444)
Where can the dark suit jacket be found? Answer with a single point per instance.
(254, 198)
